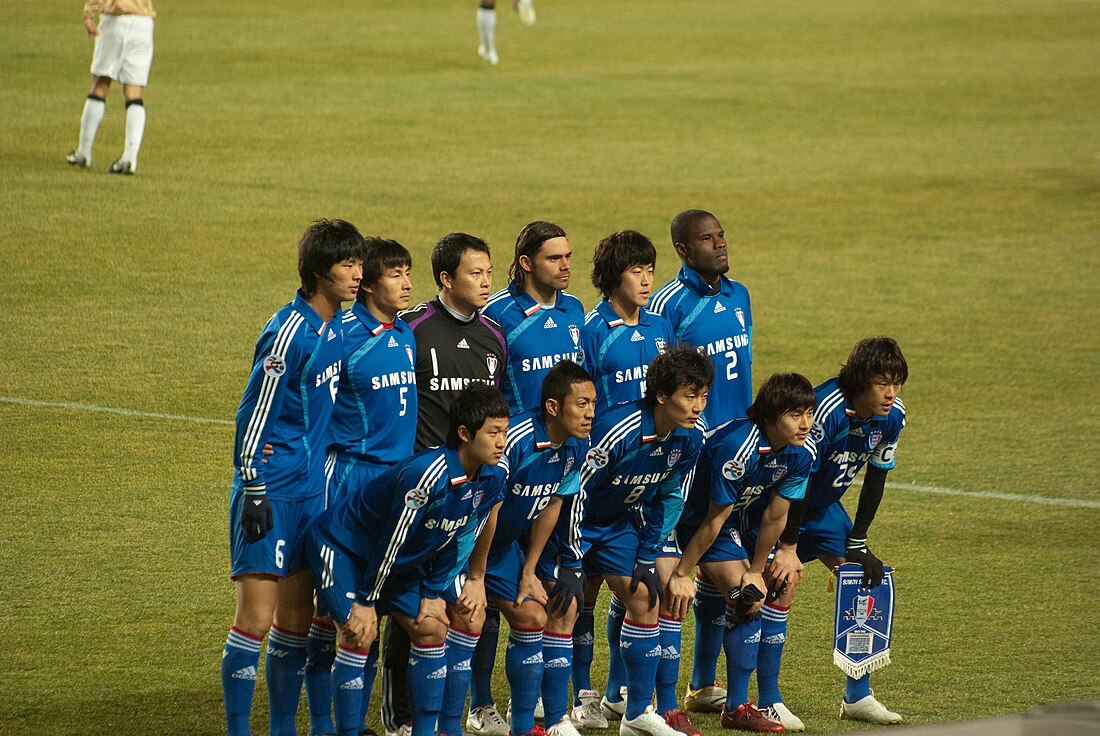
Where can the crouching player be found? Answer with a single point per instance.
(642, 455)
(543, 459)
(394, 545)
(858, 421)
(750, 471)
(286, 405)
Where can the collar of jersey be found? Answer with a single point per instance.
(649, 427)
(454, 467)
(371, 322)
(850, 412)
(699, 285)
(309, 313)
(605, 310)
(527, 303)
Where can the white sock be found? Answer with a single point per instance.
(486, 26)
(527, 2)
(135, 128)
(89, 124)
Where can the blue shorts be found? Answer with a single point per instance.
(280, 551)
(337, 575)
(670, 547)
(610, 550)
(824, 532)
(726, 546)
(344, 473)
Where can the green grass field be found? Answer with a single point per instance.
(927, 170)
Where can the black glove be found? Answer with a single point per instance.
(873, 570)
(569, 588)
(645, 573)
(741, 600)
(256, 516)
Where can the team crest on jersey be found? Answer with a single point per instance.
(478, 495)
(576, 335)
(416, 498)
(673, 457)
(491, 364)
(778, 474)
(873, 438)
(568, 465)
(817, 432)
(596, 458)
(274, 366)
(740, 314)
(409, 352)
(733, 470)
(661, 344)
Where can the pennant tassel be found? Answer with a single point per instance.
(865, 667)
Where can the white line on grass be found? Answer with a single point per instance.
(1019, 497)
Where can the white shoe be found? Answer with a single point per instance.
(589, 714)
(781, 713)
(647, 724)
(489, 56)
(405, 730)
(540, 713)
(564, 727)
(707, 699)
(868, 710)
(526, 10)
(613, 711)
(76, 158)
(486, 721)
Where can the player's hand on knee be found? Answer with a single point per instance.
(531, 587)
(472, 598)
(873, 569)
(785, 569)
(432, 608)
(753, 591)
(645, 573)
(361, 628)
(680, 595)
(257, 517)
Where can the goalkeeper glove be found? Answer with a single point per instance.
(645, 573)
(257, 518)
(569, 588)
(873, 570)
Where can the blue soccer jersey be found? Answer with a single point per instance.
(537, 339)
(416, 519)
(632, 473)
(287, 403)
(375, 416)
(738, 468)
(719, 324)
(845, 444)
(617, 355)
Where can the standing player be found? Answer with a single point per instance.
(632, 481)
(750, 472)
(124, 52)
(712, 313)
(859, 420)
(456, 346)
(287, 404)
(487, 26)
(372, 429)
(394, 545)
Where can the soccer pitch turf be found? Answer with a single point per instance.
(926, 170)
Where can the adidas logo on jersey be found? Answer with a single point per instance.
(549, 324)
(468, 495)
(356, 684)
(718, 308)
(439, 674)
(392, 343)
(245, 673)
(657, 453)
(463, 344)
(637, 337)
(857, 432)
(557, 663)
(553, 459)
(331, 335)
(534, 659)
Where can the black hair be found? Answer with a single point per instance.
(324, 244)
(615, 254)
(476, 403)
(872, 356)
(530, 239)
(560, 379)
(381, 255)
(680, 230)
(781, 393)
(681, 366)
(448, 253)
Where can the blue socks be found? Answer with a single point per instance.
(668, 670)
(427, 679)
(616, 670)
(240, 658)
(285, 666)
(710, 609)
(773, 633)
(557, 655)
(320, 653)
(583, 642)
(523, 665)
(742, 642)
(348, 668)
(460, 650)
(485, 659)
(641, 648)
(857, 689)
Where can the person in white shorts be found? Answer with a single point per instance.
(487, 26)
(123, 52)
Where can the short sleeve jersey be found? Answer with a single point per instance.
(537, 338)
(537, 472)
(720, 325)
(632, 472)
(287, 403)
(617, 355)
(845, 443)
(738, 468)
(401, 522)
(450, 355)
(376, 407)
